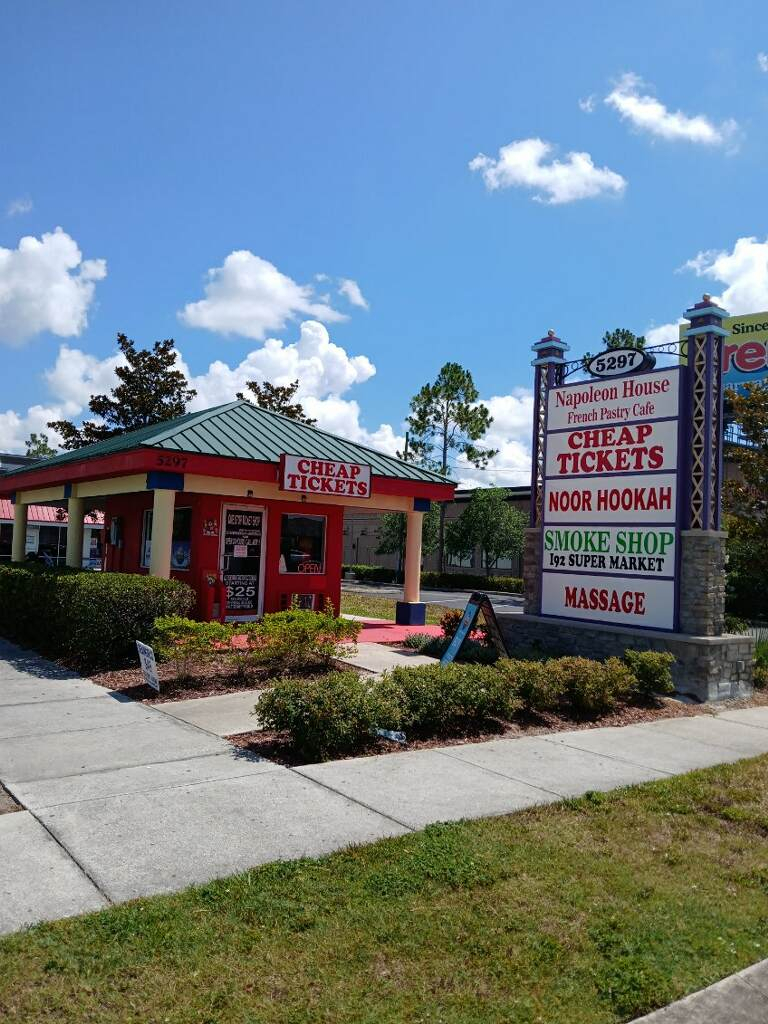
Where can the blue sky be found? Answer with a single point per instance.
(335, 140)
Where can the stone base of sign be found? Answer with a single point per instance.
(410, 613)
(707, 668)
(702, 582)
(532, 554)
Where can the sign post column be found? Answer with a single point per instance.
(703, 551)
(548, 364)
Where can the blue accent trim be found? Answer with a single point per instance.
(693, 312)
(13, 498)
(421, 504)
(159, 481)
(550, 343)
(707, 329)
(67, 490)
(549, 361)
(410, 613)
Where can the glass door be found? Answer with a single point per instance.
(241, 561)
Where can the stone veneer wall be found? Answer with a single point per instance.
(708, 668)
(702, 582)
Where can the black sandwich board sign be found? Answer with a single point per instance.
(476, 604)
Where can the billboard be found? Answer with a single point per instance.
(745, 352)
(610, 529)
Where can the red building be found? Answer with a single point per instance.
(245, 505)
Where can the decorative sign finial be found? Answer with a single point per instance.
(550, 333)
(707, 297)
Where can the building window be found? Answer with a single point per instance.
(181, 543)
(460, 561)
(302, 544)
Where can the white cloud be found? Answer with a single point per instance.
(521, 164)
(322, 368)
(762, 61)
(249, 296)
(351, 290)
(588, 104)
(646, 113)
(76, 375)
(46, 285)
(510, 432)
(743, 270)
(16, 207)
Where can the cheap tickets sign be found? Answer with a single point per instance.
(610, 537)
(305, 475)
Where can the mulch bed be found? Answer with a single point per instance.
(204, 681)
(7, 803)
(275, 746)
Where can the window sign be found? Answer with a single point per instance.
(610, 536)
(181, 544)
(241, 560)
(302, 544)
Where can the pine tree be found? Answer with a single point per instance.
(277, 398)
(39, 447)
(151, 390)
(447, 417)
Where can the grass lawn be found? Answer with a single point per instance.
(590, 911)
(354, 603)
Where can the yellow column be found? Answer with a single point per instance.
(19, 537)
(162, 533)
(76, 510)
(412, 586)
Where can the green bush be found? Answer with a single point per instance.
(187, 642)
(432, 700)
(297, 640)
(451, 580)
(652, 672)
(91, 619)
(592, 687)
(760, 679)
(536, 684)
(328, 716)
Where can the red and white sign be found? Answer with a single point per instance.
(625, 602)
(639, 498)
(633, 448)
(646, 396)
(306, 475)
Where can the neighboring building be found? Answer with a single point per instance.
(47, 533)
(361, 538)
(244, 504)
(9, 462)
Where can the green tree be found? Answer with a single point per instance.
(448, 419)
(490, 523)
(621, 337)
(746, 504)
(39, 447)
(151, 389)
(392, 531)
(278, 398)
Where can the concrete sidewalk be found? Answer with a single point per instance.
(125, 800)
(740, 999)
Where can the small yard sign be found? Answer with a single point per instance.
(148, 665)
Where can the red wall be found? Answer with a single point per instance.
(204, 551)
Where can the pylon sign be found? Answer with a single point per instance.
(611, 500)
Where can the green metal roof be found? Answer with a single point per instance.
(241, 430)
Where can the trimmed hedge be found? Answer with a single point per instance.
(452, 580)
(91, 619)
(339, 713)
